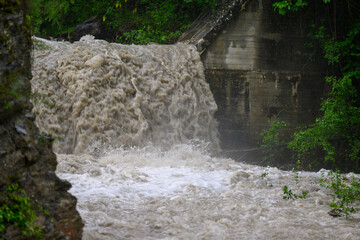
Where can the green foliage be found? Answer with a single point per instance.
(291, 5)
(12, 90)
(337, 132)
(6, 94)
(346, 191)
(264, 175)
(288, 194)
(17, 209)
(334, 137)
(346, 199)
(136, 21)
(272, 140)
(52, 16)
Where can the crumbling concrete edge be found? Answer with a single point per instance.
(207, 26)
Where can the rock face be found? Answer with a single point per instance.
(93, 26)
(26, 157)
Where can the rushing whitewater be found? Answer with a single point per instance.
(134, 127)
(183, 193)
(93, 94)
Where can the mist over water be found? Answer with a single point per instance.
(126, 117)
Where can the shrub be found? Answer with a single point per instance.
(16, 209)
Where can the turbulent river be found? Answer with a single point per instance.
(136, 137)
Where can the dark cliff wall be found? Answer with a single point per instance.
(26, 157)
(257, 68)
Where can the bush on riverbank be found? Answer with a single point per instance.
(137, 21)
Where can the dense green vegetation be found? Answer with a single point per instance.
(129, 21)
(16, 209)
(333, 141)
(337, 132)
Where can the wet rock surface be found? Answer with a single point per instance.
(26, 157)
(92, 26)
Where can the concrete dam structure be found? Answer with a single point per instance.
(255, 62)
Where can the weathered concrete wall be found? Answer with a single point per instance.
(26, 157)
(257, 69)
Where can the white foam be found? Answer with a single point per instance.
(100, 99)
(92, 94)
(142, 194)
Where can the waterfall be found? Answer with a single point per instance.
(92, 94)
(133, 128)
